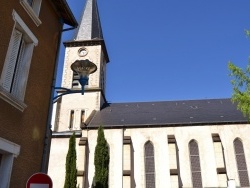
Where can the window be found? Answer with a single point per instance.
(82, 117)
(8, 151)
(32, 7)
(102, 78)
(241, 163)
(17, 63)
(195, 164)
(71, 120)
(149, 165)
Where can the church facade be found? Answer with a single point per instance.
(189, 143)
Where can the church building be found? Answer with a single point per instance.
(186, 143)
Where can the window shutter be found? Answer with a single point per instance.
(19, 78)
(23, 68)
(75, 81)
(11, 62)
(241, 163)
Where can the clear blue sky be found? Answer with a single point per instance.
(170, 49)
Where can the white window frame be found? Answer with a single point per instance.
(9, 151)
(16, 98)
(33, 10)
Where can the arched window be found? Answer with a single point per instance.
(195, 164)
(241, 163)
(149, 165)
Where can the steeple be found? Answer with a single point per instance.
(90, 26)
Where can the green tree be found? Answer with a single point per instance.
(241, 87)
(71, 172)
(101, 161)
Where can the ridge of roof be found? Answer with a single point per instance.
(163, 101)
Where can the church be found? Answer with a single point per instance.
(185, 143)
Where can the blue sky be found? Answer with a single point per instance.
(165, 50)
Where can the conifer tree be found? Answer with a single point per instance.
(101, 161)
(71, 172)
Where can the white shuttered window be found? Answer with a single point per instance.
(17, 62)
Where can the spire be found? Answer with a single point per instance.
(90, 25)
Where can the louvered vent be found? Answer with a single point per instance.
(241, 163)
(149, 165)
(75, 81)
(195, 164)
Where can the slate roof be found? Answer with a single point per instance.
(89, 30)
(168, 113)
(90, 25)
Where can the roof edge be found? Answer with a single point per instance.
(167, 125)
(65, 12)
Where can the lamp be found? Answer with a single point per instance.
(83, 68)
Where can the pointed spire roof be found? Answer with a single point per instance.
(90, 26)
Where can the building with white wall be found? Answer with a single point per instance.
(191, 143)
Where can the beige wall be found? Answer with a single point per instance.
(163, 163)
(210, 155)
(71, 55)
(88, 102)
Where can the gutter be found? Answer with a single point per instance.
(48, 133)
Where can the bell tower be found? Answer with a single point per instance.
(72, 112)
(88, 43)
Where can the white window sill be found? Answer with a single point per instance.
(31, 12)
(17, 103)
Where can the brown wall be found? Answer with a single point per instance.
(27, 128)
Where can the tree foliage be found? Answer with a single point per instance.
(71, 171)
(247, 32)
(101, 161)
(241, 88)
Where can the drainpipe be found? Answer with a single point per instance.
(48, 135)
